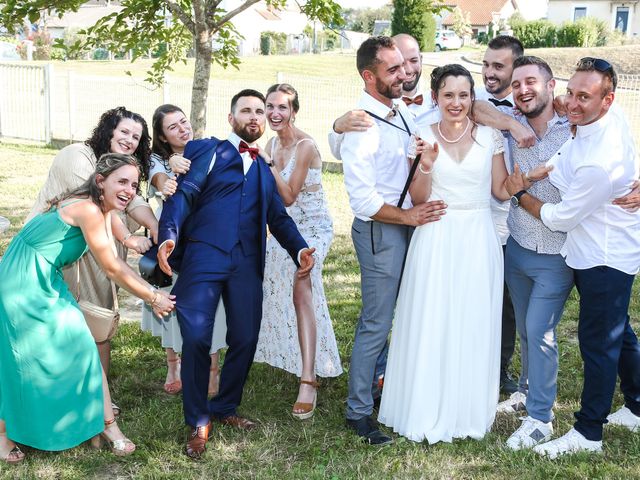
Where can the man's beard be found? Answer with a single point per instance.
(410, 86)
(387, 90)
(246, 135)
(542, 104)
(502, 86)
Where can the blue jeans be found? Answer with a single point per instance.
(539, 286)
(608, 346)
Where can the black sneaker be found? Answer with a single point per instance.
(507, 384)
(369, 430)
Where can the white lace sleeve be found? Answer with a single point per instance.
(498, 142)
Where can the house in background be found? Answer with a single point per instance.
(620, 15)
(482, 13)
(86, 16)
(262, 18)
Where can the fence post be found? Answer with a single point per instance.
(166, 97)
(48, 75)
(72, 104)
(279, 77)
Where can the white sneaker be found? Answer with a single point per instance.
(571, 442)
(625, 418)
(517, 402)
(531, 433)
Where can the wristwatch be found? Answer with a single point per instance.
(515, 199)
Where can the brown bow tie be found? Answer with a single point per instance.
(253, 152)
(418, 99)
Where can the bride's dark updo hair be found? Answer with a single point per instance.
(439, 76)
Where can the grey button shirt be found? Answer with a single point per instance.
(528, 231)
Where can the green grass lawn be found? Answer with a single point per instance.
(284, 448)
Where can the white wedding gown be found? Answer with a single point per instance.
(442, 375)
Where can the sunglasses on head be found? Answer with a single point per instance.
(598, 63)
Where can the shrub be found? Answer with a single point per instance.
(100, 54)
(273, 43)
(586, 32)
(535, 34)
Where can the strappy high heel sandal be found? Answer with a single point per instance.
(120, 447)
(304, 410)
(174, 387)
(213, 390)
(15, 455)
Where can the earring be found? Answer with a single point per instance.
(101, 197)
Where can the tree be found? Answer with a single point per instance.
(170, 27)
(363, 19)
(461, 23)
(415, 17)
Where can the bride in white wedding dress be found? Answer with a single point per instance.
(442, 374)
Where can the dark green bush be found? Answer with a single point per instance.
(273, 43)
(586, 32)
(535, 34)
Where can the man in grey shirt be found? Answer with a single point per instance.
(538, 277)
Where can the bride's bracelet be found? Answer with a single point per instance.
(422, 171)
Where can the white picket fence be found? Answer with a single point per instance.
(39, 104)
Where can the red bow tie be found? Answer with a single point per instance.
(253, 152)
(418, 99)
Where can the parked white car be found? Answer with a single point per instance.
(8, 51)
(447, 40)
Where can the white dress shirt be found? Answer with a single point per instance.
(375, 161)
(423, 116)
(591, 169)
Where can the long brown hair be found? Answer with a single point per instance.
(106, 165)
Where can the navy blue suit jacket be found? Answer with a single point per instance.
(174, 222)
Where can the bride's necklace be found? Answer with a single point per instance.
(457, 139)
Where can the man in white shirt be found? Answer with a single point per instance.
(376, 168)
(497, 68)
(596, 165)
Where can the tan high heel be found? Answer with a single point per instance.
(120, 447)
(305, 409)
(174, 387)
(14, 455)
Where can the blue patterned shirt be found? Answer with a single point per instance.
(528, 231)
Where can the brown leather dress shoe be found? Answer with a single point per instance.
(236, 422)
(196, 444)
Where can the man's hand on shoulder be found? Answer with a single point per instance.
(164, 252)
(306, 262)
(524, 136)
(560, 105)
(353, 121)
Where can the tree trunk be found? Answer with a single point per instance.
(200, 88)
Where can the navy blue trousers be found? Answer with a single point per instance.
(608, 345)
(208, 273)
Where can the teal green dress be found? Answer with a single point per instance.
(50, 374)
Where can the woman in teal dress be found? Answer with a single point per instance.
(53, 392)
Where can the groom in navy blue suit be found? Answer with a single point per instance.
(218, 218)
